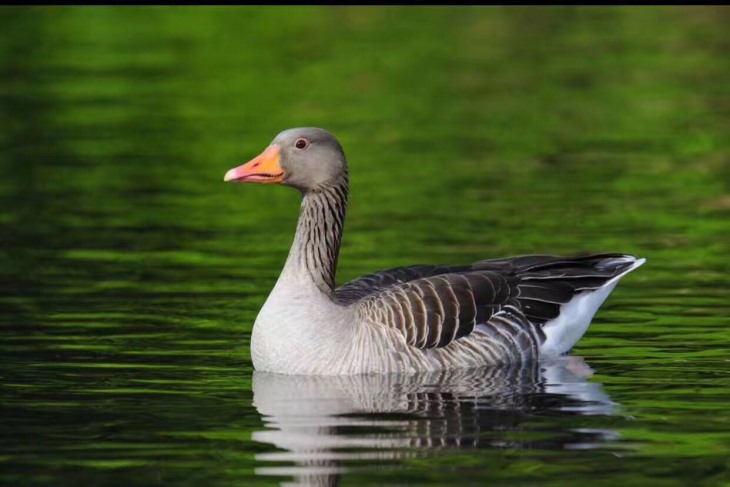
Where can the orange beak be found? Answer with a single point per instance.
(264, 168)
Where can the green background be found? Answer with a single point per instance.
(130, 275)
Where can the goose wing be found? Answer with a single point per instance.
(378, 282)
(435, 310)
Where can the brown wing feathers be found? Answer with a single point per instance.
(374, 283)
(434, 311)
(434, 305)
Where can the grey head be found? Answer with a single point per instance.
(306, 158)
(311, 158)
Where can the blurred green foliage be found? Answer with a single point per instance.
(130, 274)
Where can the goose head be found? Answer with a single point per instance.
(305, 158)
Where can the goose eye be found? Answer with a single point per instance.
(301, 144)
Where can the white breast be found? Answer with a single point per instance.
(299, 330)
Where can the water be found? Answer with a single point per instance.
(130, 275)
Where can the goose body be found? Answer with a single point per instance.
(407, 319)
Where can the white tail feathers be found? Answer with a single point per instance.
(564, 331)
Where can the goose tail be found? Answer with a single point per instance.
(564, 331)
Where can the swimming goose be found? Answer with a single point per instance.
(407, 319)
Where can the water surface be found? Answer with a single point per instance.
(130, 275)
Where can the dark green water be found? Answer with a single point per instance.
(130, 275)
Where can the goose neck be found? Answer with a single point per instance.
(314, 253)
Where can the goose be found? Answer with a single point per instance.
(414, 318)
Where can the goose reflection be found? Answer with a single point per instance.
(321, 422)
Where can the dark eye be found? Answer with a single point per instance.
(301, 144)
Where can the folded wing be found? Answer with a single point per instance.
(432, 306)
